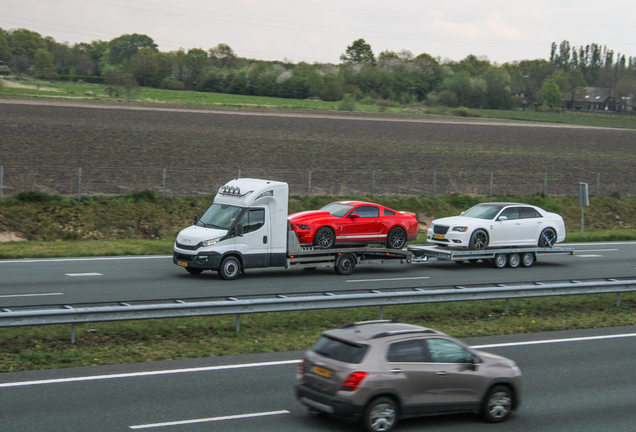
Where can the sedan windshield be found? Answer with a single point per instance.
(337, 210)
(483, 211)
(219, 216)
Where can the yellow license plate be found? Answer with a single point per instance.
(322, 372)
(182, 264)
(438, 237)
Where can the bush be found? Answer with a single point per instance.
(145, 195)
(462, 112)
(463, 202)
(347, 103)
(35, 196)
(172, 84)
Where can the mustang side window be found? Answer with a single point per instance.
(445, 351)
(367, 211)
(388, 212)
(411, 351)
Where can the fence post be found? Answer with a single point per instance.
(545, 184)
(598, 185)
(79, 184)
(372, 183)
(434, 182)
(239, 174)
(163, 185)
(491, 176)
(1, 176)
(309, 185)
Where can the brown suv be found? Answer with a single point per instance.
(381, 371)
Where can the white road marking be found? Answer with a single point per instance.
(388, 279)
(275, 363)
(82, 274)
(28, 260)
(211, 419)
(597, 250)
(29, 295)
(588, 256)
(598, 243)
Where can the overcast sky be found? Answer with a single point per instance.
(320, 30)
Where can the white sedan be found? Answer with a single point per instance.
(498, 225)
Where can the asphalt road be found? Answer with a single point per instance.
(85, 280)
(580, 381)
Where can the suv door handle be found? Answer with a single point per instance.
(396, 370)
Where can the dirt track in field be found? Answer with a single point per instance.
(124, 148)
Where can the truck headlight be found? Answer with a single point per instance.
(211, 242)
(460, 229)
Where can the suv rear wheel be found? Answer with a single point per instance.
(381, 415)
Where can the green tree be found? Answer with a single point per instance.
(119, 82)
(196, 61)
(43, 64)
(122, 48)
(144, 68)
(222, 56)
(550, 94)
(5, 49)
(359, 52)
(498, 95)
(474, 65)
(25, 42)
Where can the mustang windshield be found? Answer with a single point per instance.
(219, 216)
(483, 211)
(337, 210)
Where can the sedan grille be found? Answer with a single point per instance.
(440, 229)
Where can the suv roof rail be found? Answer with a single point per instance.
(359, 323)
(401, 332)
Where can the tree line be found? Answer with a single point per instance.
(132, 60)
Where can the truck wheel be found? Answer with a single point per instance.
(230, 268)
(396, 238)
(547, 238)
(346, 264)
(194, 271)
(325, 238)
(500, 261)
(527, 259)
(478, 240)
(513, 260)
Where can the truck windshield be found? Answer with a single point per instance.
(483, 211)
(337, 210)
(219, 216)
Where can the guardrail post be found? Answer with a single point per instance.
(506, 308)
(73, 334)
(238, 323)
(381, 312)
(618, 300)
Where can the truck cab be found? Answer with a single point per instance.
(245, 227)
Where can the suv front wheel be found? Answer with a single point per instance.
(381, 415)
(498, 404)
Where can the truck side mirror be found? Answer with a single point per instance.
(238, 230)
(196, 219)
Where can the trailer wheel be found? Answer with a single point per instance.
(500, 261)
(527, 259)
(325, 238)
(230, 268)
(513, 260)
(346, 264)
(396, 238)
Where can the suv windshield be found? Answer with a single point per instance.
(337, 210)
(339, 350)
(219, 216)
(483, 211)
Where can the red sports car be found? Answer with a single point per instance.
(353, 223)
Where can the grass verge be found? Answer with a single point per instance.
(33, 348)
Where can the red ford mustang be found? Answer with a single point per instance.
(353, 223)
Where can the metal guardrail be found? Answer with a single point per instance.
(68, 314)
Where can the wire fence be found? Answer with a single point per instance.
(77, 181)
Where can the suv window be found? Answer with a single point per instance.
(340, 350)
(411, 351)
(445, 351)
(367, 211)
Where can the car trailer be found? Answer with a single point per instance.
(499, 257)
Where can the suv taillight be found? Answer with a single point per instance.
(353, 381)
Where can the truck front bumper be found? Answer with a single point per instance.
(203, 261)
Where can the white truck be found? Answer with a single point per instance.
(246, 227)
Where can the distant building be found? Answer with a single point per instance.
(597, 99)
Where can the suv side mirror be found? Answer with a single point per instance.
(476, 362)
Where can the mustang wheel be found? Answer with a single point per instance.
(396, 238)
(230, 268)
(498, 404)
(325, 238)
(381, 415)
(478, 240)
(547, 238)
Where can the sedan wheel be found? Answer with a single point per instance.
(325, 238)
(478, 240)
(547, 238)
(381, 415)
(498, 405)
(396, 238)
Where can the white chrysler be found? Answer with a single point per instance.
(498, 225)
